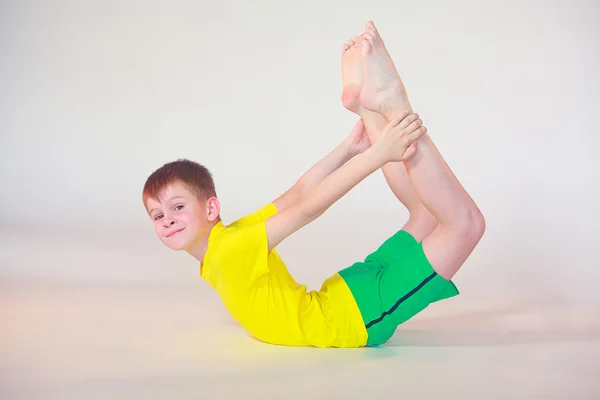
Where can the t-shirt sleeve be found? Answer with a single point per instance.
(244, 254)
(260, 215)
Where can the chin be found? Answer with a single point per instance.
(175, 246)
(177, 243)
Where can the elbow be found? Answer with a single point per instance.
(309, 210)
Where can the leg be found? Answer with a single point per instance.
(461, 223)
(393, 284)
(421, 222)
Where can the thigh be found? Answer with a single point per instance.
(447, 248)
(406, 287)
(392, 248)
(364, 278)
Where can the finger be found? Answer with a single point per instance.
(359, 125)
(412, 125)
(401, 115)
(417, 134)
(412, 137)
(410, 151)
(408, 120)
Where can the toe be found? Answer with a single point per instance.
(360, 40)
(369, 40)
(366, 47)
(371, 29)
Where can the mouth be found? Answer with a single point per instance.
(175, 232)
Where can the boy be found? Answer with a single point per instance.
(362, 304)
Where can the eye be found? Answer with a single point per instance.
(157, 217)
(178, 207)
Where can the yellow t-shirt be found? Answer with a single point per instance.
(257, 289)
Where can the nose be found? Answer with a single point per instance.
(169, 222)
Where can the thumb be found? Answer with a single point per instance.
(360, 125)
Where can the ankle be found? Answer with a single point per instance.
(395, 102)
(388, 102)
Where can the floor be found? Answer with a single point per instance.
(94, 341)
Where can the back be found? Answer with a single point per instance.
(256, 287)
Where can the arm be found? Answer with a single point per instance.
(353, 145)
(321, 197)
(396, 143)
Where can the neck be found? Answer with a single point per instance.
(198, 248)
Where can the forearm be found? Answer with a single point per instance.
(334, 186)
(331, 162)
(396, 143)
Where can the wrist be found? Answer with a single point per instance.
(377, 153)
(349, 149)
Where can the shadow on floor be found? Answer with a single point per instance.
(508, 326)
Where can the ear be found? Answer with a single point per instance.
(213, 209)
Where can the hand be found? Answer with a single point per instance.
(358, 139)
(399, 139)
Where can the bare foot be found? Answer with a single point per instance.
(352, 73)
(383, 90)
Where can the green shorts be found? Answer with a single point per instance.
(393, 284)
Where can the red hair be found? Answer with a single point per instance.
(194, 176)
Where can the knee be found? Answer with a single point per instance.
(478, 222)
(472, 225)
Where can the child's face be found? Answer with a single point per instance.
(180, 219)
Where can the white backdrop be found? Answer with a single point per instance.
(96, 95)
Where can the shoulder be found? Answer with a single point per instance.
(260, 215)
(241, 253)
(245, 236)
(240, 239)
